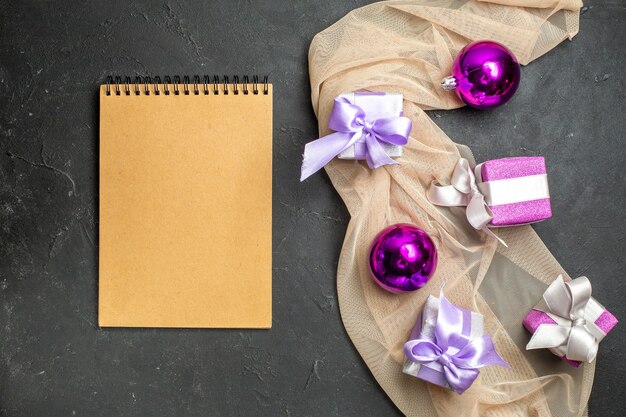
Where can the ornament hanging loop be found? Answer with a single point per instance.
(449, 83)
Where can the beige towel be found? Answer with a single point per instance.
(408, 47)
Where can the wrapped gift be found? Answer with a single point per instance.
(447, 346)
(375, 106)
(368, 126)
(515, 190)
(502, 192)
(569, 322)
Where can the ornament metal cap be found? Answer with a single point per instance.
(449, 83)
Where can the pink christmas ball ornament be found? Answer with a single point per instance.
(402, 258)
(485, 74)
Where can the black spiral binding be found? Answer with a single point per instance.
(116, 86)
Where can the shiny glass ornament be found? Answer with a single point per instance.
(485, 74)
(402, 258)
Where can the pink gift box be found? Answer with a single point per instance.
(594, 311)
(515, 189)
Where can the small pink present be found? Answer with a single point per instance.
(569, 322)
(515, 190)
(502, 192)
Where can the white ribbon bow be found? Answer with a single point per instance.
(573, 336)
(463, 191)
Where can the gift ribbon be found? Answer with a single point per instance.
(514, 190)
(460, 355)
(351, 124)
(463, 191)
(573, 335)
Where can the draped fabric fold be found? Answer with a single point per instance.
(407, 47)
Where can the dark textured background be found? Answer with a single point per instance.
(54, 360)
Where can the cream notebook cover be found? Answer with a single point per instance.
(185, 204)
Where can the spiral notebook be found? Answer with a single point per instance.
(185, 203)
